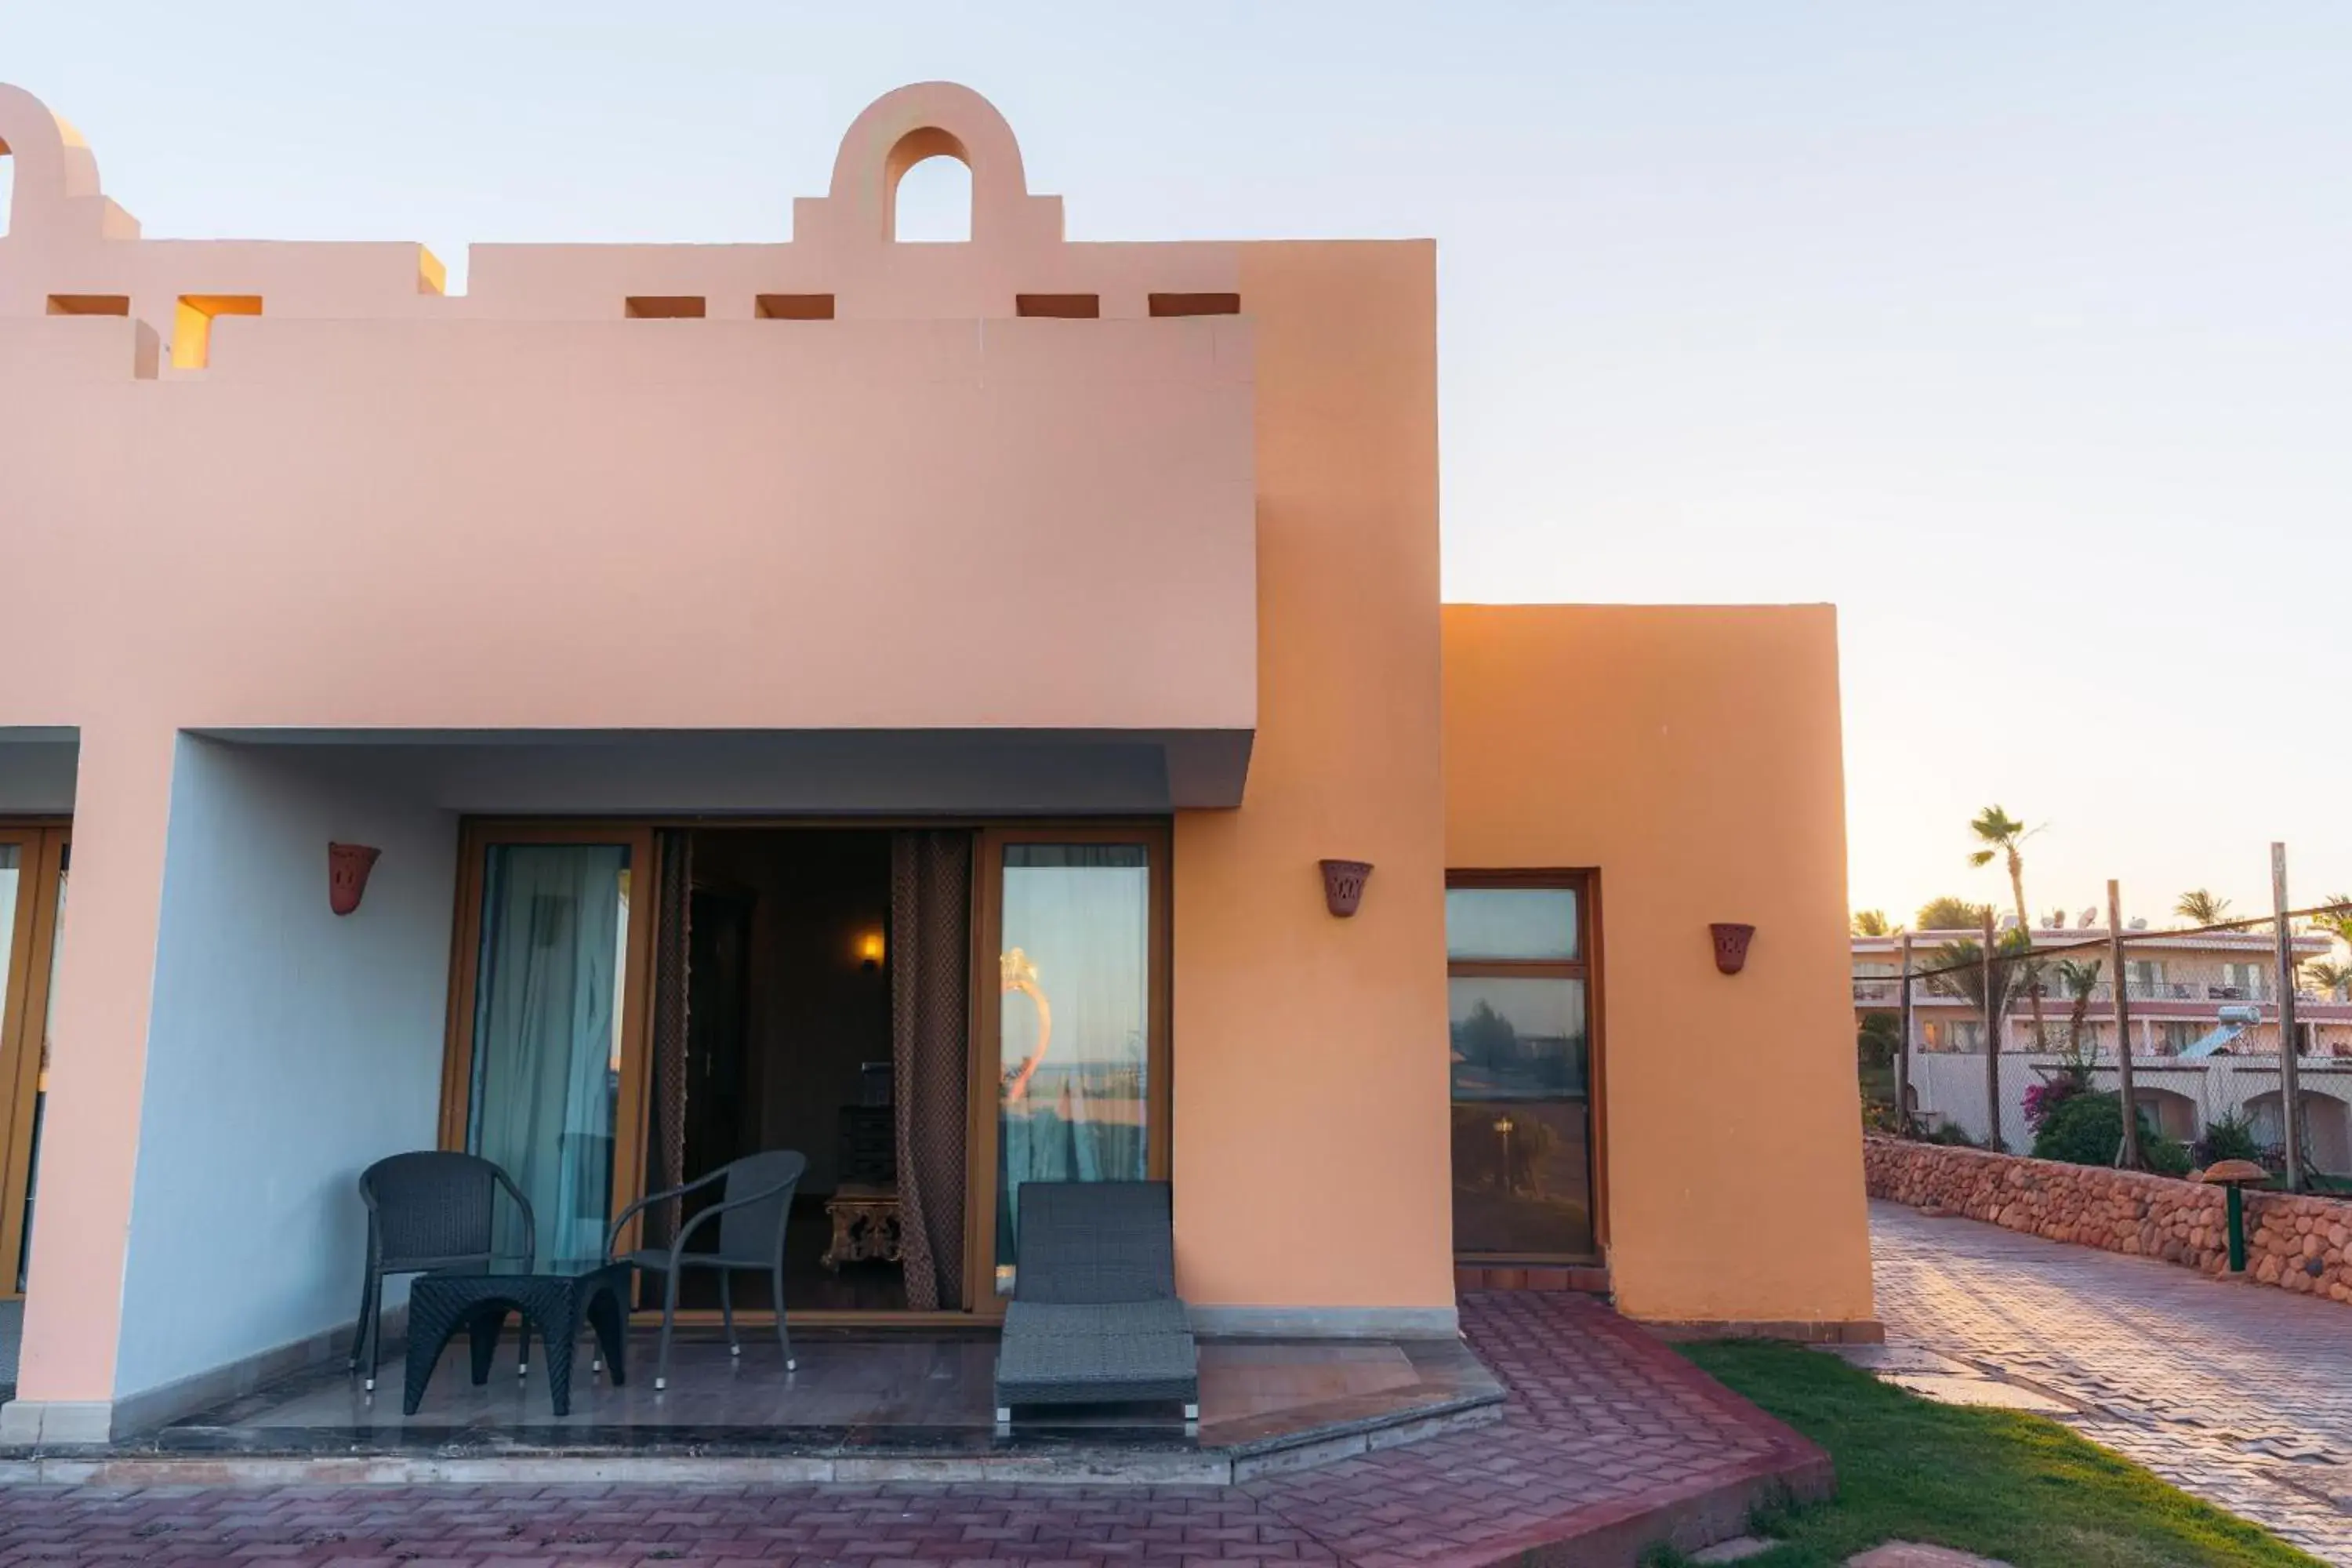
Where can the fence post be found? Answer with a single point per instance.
(2129, 1157)
(1992, 1042)
(1903, 1048)
(2290, 1076)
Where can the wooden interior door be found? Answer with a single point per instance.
(34, 864)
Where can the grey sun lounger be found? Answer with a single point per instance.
(1095, 1318)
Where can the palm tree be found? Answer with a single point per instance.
(1958, 970)
(2334, 978)
(2199, 907)
(1948, 913)
(1872, 922)
(2002, 837)
(2079, 979)
(2335, 918)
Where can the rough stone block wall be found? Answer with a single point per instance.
(2294, 1243)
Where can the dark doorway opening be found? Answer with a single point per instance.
(788, 1044)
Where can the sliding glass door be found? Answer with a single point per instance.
(548, 1077)
(34, 864)
(549, 1071)
(1077, 1086)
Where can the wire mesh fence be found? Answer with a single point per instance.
(2200, 1007)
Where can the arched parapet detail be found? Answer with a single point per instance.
(901, 128)
(57, 188)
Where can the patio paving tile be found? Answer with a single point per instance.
(1602, 1422)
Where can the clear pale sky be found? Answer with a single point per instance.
(2021, 333)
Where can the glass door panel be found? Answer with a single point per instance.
(1075, 1022)
(1520, 1048)
(546, 1064)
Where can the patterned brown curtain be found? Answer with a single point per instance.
(673, 938)
(930, 955)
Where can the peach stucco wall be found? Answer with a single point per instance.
(1310, 1071)
(1692, 756)
(378, 506)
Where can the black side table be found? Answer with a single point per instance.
(554, 1298)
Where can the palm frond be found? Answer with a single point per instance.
(2202, 907)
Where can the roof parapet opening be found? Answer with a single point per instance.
(665, 308)
(1196, 304)
(1068, 306)
(793, 307)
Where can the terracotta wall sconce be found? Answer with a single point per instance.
(1343, 885)
(348, 865)
(1731, 940)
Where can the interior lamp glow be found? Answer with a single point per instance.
(869, 950)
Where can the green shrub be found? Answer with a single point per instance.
(2227, 1138)
(1876, 1039)
(2088, 1129)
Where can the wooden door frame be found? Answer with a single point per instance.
(981, 1002)
(475, 838)
(43, 844)
(1585, 880)
(1157, 837)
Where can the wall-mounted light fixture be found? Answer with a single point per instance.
(1343, 885)
(348, 865)
(1731, 939)
(869, 950)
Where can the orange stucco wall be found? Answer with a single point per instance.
(1311, 1069)
(1692, 756)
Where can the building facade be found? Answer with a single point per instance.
(2196, 993)
(2201, 1010)
(891, 700)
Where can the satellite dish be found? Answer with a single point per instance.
(2090, 917)
(2009, 922)
(2138, 922)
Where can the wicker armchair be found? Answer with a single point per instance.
(433, 1209)
(755, 1203)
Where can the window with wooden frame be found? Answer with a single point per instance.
(1520, 989)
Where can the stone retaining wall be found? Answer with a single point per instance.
(2298, 1244)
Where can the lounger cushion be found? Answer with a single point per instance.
(1050, 1317)
(1084, 1369)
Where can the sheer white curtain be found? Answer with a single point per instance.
(546, 1034)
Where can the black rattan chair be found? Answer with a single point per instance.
(1095, 1318)
(433, 1209)
(754, 1204)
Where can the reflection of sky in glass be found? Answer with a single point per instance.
(1086, 932)
(1511, 922)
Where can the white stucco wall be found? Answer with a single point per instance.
(288, 1048)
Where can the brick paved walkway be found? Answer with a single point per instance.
(1604, 1427)
(2239, 1395)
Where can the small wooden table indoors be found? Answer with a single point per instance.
(865, 1225)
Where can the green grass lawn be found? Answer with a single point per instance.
(2015, 1487)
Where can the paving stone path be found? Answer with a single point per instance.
(2238, 1394)
(1603, 1425)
